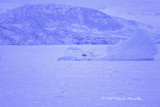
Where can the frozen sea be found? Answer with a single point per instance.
(31, 76)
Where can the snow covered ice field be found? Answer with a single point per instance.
(31, 76)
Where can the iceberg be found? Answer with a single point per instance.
(138, 47)
(76, 54)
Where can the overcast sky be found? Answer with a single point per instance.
(84, 3)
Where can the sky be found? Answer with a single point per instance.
(145, 11)
(84, 3)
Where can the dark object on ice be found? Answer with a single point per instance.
(84, 55)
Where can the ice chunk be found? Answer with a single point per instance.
(138, 47)
(76, 54)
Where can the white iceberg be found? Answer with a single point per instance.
(76, 54)
(138, 47)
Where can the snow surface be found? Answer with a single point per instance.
(31, 77)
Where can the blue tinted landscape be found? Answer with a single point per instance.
(79, 53)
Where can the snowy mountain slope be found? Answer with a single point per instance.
(61, 24)
(131, 26)
(145, 11)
